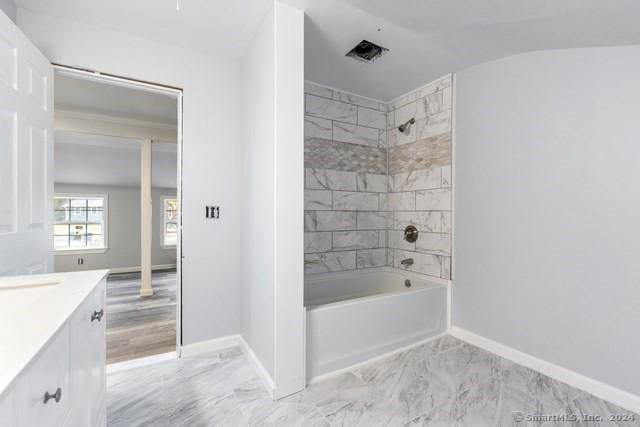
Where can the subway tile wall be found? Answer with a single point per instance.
(365, 181)
(346, 184)
(419, 174)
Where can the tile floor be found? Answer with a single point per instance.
(442, 383)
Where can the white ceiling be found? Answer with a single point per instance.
(430, 38)
(221, 26)
(109, 161)
(426, 38)
(90, 96)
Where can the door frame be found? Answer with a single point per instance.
(176, 93)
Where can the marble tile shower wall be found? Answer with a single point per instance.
(365, 181)
(419, 172)
(346, 215)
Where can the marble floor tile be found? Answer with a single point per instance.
(445, 382)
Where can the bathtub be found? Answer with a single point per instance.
(355, 316)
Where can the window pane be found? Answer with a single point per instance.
(95, 203)
(170, 209)
(60, 203)
(78, 229)
(79, 203)
(170, 239)
(61, 230)
(61, 241)
(94, 215)
(78, 241)
(78, 215)
(61, 216)
(94, 229)
(80, 222)
(95, 241)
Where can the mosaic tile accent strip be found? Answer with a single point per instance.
(326, 154)
(426, 153)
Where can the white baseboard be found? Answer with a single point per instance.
(258, 366)
(210, 345)
(599, 389)
(143, 361)
(137, 269)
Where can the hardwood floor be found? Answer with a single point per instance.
(140, 326)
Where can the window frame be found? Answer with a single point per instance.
(163, 224)
(105, 218)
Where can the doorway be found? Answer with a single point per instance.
(117, 202)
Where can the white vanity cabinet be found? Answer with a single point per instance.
(87, 360)
(64, 383)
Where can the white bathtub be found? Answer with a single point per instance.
(352, 317)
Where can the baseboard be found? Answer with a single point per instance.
(599, 389)
(210, 345)
(143, 361)
(258, 366)
(138, 269)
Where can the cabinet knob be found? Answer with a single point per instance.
(55, 396)
(97, 315)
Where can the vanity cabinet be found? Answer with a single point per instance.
(64, 385)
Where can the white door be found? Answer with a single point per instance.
(26, 155)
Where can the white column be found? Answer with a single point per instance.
(146, 213)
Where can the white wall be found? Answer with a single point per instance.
(123, 230)
(289, 196)
(9, 8)
(211, 162)
(258, 297)
(272, 303)
(546, 208)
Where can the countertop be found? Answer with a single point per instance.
(30, 317)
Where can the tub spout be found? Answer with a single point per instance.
(407, 262)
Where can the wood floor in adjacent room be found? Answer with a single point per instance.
(140, 326)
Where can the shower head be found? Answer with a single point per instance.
(406, 126)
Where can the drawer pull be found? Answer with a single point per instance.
(55, 396)
(97, 315)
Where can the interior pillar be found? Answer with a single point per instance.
(146, 213)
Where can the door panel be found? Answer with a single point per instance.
(26, 155)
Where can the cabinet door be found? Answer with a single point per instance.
(79, 349)
(87, 360)
(97, 346)
(48, 373)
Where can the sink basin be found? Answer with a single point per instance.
(21, 292)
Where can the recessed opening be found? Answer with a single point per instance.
(366, 51)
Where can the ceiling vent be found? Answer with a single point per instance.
(366, 51)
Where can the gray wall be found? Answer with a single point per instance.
(547, 205)
(9, 8)
(124, 230)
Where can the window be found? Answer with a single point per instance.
(80, 222)
(169, 221)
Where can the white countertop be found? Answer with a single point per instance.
(30, 316)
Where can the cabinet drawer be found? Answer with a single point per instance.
(48, 373)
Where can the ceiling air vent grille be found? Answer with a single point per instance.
(366, 51)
